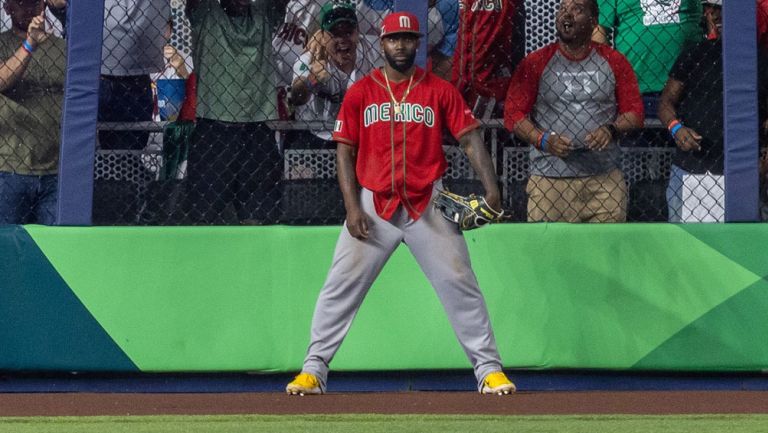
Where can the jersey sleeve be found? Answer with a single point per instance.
(524, 86)
(347, 126)
(628, 99)
(458, 117)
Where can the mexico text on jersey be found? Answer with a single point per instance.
(415, 113)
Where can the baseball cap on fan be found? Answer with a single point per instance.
(334, 13)
(712, 2)
(400, 22)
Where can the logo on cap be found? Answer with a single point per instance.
(400, 22)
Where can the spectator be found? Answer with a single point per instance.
(488, 47)
(171, 81)
(336, 58)
(166, 154)
(651, 34)
(289, 42)
(441, 54)
(31, 97)
(134, 38)
(233, 159)
(692, 108)
(570, 100)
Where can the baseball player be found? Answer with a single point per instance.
(390, 161)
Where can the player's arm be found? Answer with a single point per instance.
(472, 143)
(685, 138)
(357, 220)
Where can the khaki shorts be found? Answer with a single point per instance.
(600, 198)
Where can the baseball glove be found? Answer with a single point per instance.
(468, 212)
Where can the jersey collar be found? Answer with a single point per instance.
(418, 74)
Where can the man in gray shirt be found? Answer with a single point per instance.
(134, 37)
(570, 100)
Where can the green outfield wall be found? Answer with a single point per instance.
(179, 299)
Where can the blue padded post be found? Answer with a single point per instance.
(740, 111)
(81, 103)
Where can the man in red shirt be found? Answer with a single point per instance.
(489, 46)
(390, 163)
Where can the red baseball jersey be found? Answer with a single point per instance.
(401, 155)
(488, 47)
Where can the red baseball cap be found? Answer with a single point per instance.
(400, 22)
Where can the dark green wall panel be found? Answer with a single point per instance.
(45, 327)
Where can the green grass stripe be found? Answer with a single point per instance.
(390, 423)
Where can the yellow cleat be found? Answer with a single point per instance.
(304, 384)
(497, 383)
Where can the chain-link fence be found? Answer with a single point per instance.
(220, 111)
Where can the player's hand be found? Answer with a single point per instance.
(558, 145)
(687, 139)
(36, 30)
(599, 139)
(493, 199)
(357, 224)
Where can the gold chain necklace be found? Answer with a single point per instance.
(392, 95)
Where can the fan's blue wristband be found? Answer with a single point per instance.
(543, 141)
(27, 46)
(676, 127)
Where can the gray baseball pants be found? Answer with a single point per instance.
(440, 251)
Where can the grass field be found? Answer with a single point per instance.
(389, 424)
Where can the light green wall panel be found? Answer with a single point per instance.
(574, 296)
